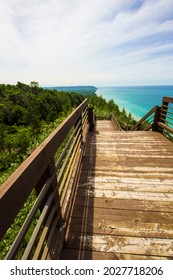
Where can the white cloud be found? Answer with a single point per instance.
(89, 41)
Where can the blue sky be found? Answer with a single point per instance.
(86, 42)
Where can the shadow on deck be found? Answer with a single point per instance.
(103, 194)
(124, 200)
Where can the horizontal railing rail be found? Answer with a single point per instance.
(115, 123)
(36, 200)
(165, 123)
(158, 119)
(148, 121)
(48, 176)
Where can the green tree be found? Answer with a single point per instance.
(34, 84)
(19, 141)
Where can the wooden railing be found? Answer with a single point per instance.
(49, 174)
(148, 122)
(158, 119)
(165, 123)
(46, 182)
(115, 123)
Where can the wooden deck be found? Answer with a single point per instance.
(123, 207)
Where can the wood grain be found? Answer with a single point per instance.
(123, 207)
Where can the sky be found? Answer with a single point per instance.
(86, 42)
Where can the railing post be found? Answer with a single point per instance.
(52, 172)
(80, 127)
(91, 118)
(156, 118)
(115, 123)
(49, 172)
(165, 108)
(163, 113)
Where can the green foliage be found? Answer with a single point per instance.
(34, 84)
(28, 114)
(24, 112)
(12, 232)
(103, 110)
(19, 140)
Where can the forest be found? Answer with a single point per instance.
(29, 113)
(27, 116)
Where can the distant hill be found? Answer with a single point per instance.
(84, 90)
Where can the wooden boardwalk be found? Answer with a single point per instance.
(123, 208)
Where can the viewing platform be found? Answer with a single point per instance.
(123, 207)
(107, 195)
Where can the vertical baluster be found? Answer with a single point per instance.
(156, 118)
(163, 113)
(91, 118)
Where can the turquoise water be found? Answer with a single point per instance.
(137, 100)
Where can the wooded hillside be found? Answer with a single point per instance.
(27, 115)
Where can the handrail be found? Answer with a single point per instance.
(53, 182)
(165, 123)
(115, 123)
(166, 127)
(158, 119)
(153, 110)
(53, 172)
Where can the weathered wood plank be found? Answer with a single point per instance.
(130, 145)
(134, 195)
(73, 254)
(128, 168)
(113, 186)
(113, 176)
(128, 204)
(123, 214)
(94, 163)
(121, 244)
(111, 227)
(133, 154)
(124, 201)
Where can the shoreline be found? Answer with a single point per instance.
(137, 100)
(137, 118)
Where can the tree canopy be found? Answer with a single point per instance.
(24, 110)
(29, 112)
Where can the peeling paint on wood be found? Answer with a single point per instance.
(128, 245)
